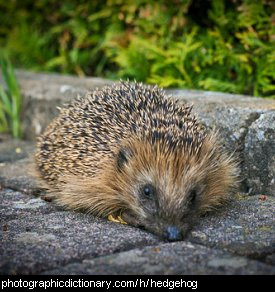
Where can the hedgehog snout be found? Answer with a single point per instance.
(172, 233)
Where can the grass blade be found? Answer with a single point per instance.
(10, 100)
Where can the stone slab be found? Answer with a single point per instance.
(181, 258)
(259, 155)
(36, 236)
(245, 227)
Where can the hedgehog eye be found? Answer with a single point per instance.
(123, 157)
(192, 196)
(148, 191)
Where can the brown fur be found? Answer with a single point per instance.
(102, 150)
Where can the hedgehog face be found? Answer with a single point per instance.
(165, 211)
(169, 191)
(163, 206)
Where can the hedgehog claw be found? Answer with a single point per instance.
(116, 220)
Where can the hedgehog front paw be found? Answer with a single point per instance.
(118, 219)
(130, 218)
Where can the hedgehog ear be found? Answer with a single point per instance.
(123, 156)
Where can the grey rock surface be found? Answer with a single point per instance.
(245, 227)
(43, 93)
(259, 155)
(37, 236)
(16, 165)
(181, 258)
(231, 122)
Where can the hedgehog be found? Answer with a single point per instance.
(135, 155)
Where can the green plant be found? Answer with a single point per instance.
(218, 45)
(10, 100)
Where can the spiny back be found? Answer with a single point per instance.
(93, 127)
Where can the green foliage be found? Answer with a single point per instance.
(10, 100)
(219, 45)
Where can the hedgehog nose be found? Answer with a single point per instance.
(172, 233)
